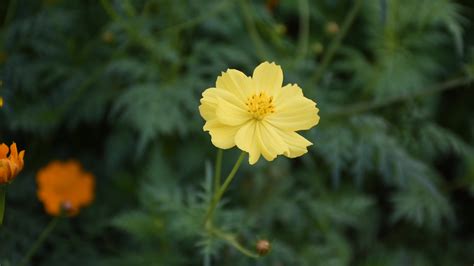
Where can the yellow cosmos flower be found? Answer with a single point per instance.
(257, 114)
(1, 101)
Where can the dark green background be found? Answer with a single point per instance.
(116, 84)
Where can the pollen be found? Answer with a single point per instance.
(260, 105)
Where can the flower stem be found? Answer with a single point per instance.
(46, 232)
(3, 191)
(217, 170)
(220, 192)
(233, 242)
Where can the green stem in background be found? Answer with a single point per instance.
(252, 29)
(303, 37)
(3, 191)
(220, 192)
(11, 9)
(217, 170)
(146, 41)
(207, 259)
(336, 42)
(233, 242)
(128, 7)
(215, 9)
(46, 232)
(368, 106)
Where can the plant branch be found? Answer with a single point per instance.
(231, 239)
(217, 170)
(220, 192)
(148, 43)
(303, 37)
(252, 29)
(44, 235)
(336, 42)
(222, 5)
(368, 106)
(11, 10)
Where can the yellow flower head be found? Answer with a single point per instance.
(65, 186)
(12, 165)
(257, 114)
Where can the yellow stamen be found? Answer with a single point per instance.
(260, 105)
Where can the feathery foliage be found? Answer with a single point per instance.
(389, 179)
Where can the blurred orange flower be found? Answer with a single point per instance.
(65, 187)
(12, 165)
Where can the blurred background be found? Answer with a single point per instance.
(116, 85)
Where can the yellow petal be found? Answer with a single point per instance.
(246, 140)
(297, 145)
(268, 77)
(235, 82)
(231, 113)
(210, 98)
(207, 109)
(269, 141)
(295, 113)
(222, 136)
(287, 92)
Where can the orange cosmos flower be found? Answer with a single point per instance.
(65, 186)
(12, 165)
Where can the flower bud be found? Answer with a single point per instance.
(332, 28)
(263, 247)
(280, 28)
(317, 48)
(108, 37)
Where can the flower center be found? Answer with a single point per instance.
(260, 105)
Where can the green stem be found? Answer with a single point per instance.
(220, 192)
(252, 29)
(337, 42)
(368, 106)
(146, 42)
(3, 191)
(46, 232)
(303, 37)
(11, 9)
(128, 7)
(207, 259)
(217, 171)
(222, 5)
(233, 242)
